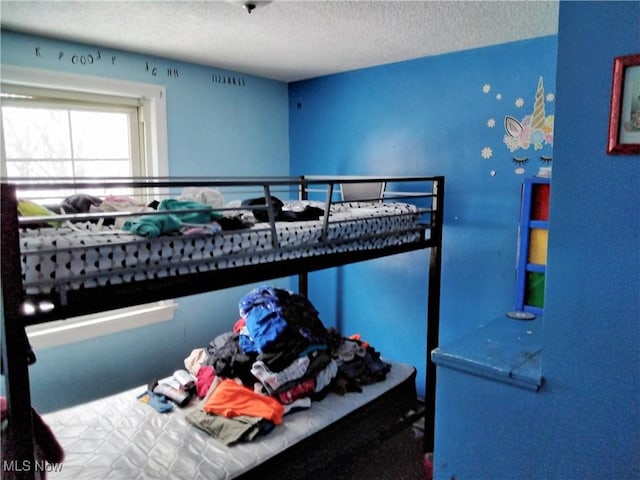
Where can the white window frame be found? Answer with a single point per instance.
(153, 101)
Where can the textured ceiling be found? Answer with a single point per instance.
(285, 40)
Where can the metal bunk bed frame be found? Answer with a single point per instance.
(15, 346)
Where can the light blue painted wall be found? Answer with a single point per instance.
(214, 129)
(431, 116)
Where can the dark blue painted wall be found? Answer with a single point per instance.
(440, 115)
(423, 117)
(583, 423)
(592, 330)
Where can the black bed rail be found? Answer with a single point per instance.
(62, 303)
(304, 182)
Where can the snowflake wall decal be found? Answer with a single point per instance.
(487, 152)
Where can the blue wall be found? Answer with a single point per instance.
(214, 129)
(440, 115)
(432, 116)
(425, 116)
(583, 423)
(592, 330)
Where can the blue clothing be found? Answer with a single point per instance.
(264, 322)
(155, 225)
(190, 217)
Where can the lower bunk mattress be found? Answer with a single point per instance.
(119, 437)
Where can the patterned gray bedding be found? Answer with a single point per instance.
(87, 255)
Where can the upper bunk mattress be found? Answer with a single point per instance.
(71, 258)
(119, 437)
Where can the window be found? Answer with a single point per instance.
(61, 125)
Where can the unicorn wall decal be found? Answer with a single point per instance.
(535, 129)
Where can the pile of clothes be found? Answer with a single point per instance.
(278, 358)
(197, 210)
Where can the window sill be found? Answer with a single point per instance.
(505, 350)
(63, 332)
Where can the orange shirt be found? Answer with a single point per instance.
(230, 399)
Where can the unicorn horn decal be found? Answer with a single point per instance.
(537, 122)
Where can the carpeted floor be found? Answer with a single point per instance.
(398, 457)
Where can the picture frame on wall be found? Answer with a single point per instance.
(624, 119)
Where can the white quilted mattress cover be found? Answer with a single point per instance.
(120, 438)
